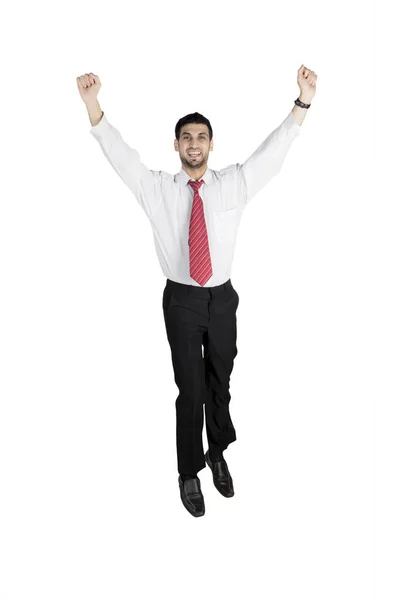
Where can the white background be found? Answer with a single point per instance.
(89, 502)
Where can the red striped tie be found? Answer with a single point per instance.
(199, 252)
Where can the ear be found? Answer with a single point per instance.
(212, 144)
(176, 145)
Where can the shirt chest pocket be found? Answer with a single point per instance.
(225, 222)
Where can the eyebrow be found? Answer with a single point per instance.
(187, 133)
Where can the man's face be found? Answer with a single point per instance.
(194, 145)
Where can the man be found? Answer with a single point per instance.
(195, 216)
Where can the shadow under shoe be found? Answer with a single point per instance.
(221, 476)
(192, 496)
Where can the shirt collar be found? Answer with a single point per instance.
(207, 177)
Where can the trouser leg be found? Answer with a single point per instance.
(185, 327)
(220, 351)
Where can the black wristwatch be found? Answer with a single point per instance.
(301, 104)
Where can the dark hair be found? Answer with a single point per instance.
(192, 118)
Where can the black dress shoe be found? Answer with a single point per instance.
(221, 476)
(192, 496)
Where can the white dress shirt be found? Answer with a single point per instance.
(167, 199)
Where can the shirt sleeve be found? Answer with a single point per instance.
(144, 183)
(267, 160)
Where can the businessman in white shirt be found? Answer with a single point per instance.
(195, 216)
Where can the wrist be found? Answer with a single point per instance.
(304, 98)
(92, 103)
(94, 111)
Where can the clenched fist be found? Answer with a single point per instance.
(89, 86)
(307, 82)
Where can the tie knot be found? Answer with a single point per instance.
(195, 184)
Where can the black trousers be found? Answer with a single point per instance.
(195, 317)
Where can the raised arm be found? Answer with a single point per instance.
(144, 183)
(268, 158)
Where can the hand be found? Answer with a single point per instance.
(89, 86)
(307, 81)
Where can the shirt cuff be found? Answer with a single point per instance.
(100, 127)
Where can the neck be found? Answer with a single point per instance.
(195, 173)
